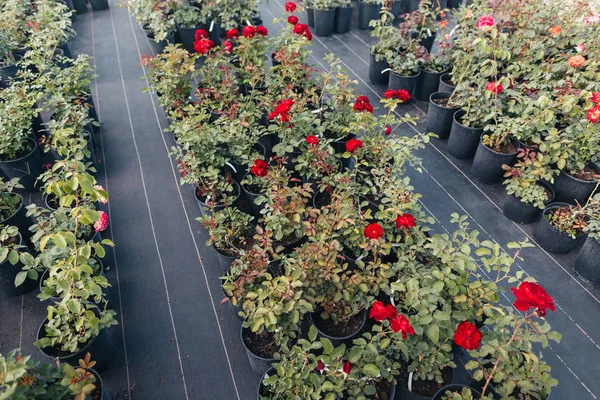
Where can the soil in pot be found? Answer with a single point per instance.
(322, 199)
(525, 213)
(243, 242)
(440, 114)
(423, 388)
(217, 200)
(488, 162)
(463, 140)
(339, 330)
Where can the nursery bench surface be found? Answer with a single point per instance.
(174, 339)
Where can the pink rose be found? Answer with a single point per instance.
(485, 21)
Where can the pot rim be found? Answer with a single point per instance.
(439, 393)
(441, 80)
(363, 312)
(512, 139)
(555, 205)
(17, 57)
(242, 329)
(590, 164)
(462, 113)
(236, 186)
(441, 95)
(21, 204)
(405, 76)
(35, 147)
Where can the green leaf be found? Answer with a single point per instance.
(371, 370)
(13, 257)
(59, 240)
(3, 254)
(433, 333)
(20, 278)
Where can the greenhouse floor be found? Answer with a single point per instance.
(174, 339)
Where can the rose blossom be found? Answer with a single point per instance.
(380, 312)
(593, 114)
(531, 295)
(249, 31)
(102, 223)
(485, 21)
(373, 231)
(290, 6)
(101, 198)
(260, 168)
(353, 144)
(555, 30)
(363, 104)
(580, 48)
(494, 87)
(282, 110)
(596, 98)
(400, 94)
(577, 61)
(399, 323)
(405, 221)
(202, 46)
(228, 46)
(232, 33)
(320, 366)
(593, 19)
(200, 34)
(261, 30)
(467, 336)
(292, 19)
(302, 29)
(312, 139)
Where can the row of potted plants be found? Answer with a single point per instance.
(329, 260)
(59, 244)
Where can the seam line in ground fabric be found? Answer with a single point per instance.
(148, 205)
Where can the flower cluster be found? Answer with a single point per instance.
(250, 31)
(313, 140)
(400, 94)
(353, 144)
(494, 87)
(363, 104)
(302, 29)
(399, 323)
(202, 43)
(282, 111)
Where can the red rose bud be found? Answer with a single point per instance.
(312, 139)
(292, 19)
(353, 144)
(399, 323)
(290, 6)
(232, 33)
(200, 34)
(373, 231)
(467, 336)
(261, 30)
(228, 46)
(405, 221)
(388, 130)
(347, 367)
(260, 168)
(320, 365)
(531, 295)
(494, 87)
(249, 31)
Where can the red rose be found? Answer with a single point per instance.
(353, 144)
(593, 114)
(531, 295)
(373, 231)
(596, 98)
(405, 221)
(399, 323)
(290, 6)
(202, 46)
(292, 19)
(347, 367)
(260, 168)
(467, 336)
(494, 87)
(380, 312)
(320, 366)
(282, 110)
(302, 29)
(228, 46)
(399, 94)
(486, 21)
(388, 130)
(363, 104)
(200, 34)
(261, 30)
(232, 33)
(312, 139)
(249, 31)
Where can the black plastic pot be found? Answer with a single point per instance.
(427, 84)
(56, 299)
(26, 168)
(454, 388)
(408, 83)
(570, 189)
(524, 213)
(224, 258)
(258, 364)
(439, 118)
(237, 170)
(206, 209)
(324, 20)
(366, 13)
(20, 220)
(94, 115)
(253, 208)
(428, 42)
(343, 19)
(270, 372)
(101, 390)
(9, 72)
(463, 140)
(310, 14)
(187, 36)
(99, 4)
(443, 86)
(487, 164)
(66, 50)
(80, 6)
(159, 47)
(376, 76)
(8, 273)
(553, 239)
(101, 348)
(403, 393)
(315, 319)
(586, 264)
